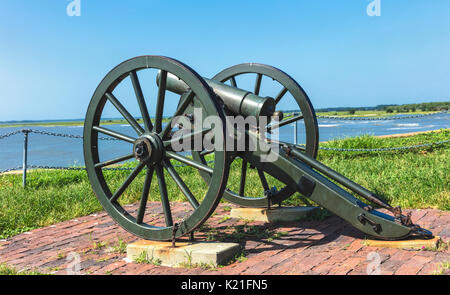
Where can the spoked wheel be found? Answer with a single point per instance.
(306, 115)
(151, 150)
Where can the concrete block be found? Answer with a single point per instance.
(276, 214)
(405, 244)
(211, 253)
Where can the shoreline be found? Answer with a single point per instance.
(340, 114)
(410, 133)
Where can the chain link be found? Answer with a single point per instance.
(380, 118)
(11, 169)
(74, 168)
(56, 134)
(10, 134)
(383, 149)
(66, 135)
(50, 134)
(61, 168)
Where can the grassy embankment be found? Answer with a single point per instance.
(370, 113)
(418, 178)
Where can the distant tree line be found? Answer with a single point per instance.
(391, 108)
(424, 107)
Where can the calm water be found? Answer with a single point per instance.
(60, 151)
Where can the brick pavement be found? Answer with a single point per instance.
(330, 246)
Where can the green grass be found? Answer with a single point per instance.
(143, 258)
(9, 270)
(443, 267)
(121, 246)
(417, 178)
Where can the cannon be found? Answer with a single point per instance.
(292, 167)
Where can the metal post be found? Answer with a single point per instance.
(25, 154)
(295, 131)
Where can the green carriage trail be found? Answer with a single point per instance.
(417, 178)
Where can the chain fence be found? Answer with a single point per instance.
(58, 134)
(409, 147)
(11, 134)
(25, 166)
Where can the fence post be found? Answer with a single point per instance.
(25, 155)
(295, 131)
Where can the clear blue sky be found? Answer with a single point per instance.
(50, 63)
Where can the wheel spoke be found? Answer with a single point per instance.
(164, 196)
(206, 152)
(258, 84)
(144, 197)
(141, 101)
(263, 179)
(183, 187)
(114, 134)
(114, 161)
(233, 81)
(131, 120)
(243, 177)
(160, 101)
(184, 102)
(280, 95)
(127, 182)
(189, 162)
(297, 146)
(285, 122)
(300, 147)
(184, 137)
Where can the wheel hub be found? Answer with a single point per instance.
(148, 148)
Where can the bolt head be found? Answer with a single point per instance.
(278, 115)
(140, 150)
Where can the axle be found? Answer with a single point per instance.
(238, 101)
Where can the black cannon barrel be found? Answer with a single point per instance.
(239, 101)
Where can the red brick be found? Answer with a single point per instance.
(346, 266)
(311, 247)
(413, 266)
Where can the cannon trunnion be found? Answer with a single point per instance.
(153, 150)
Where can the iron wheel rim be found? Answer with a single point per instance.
(91, 154)
(304, 103)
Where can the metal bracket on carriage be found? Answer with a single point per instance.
(269, 194)
(398, 217)
(363, 219)
(174, 231)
